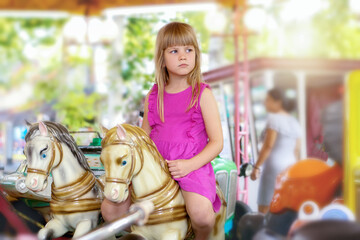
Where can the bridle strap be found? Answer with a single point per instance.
(37, 171)
(50, 166)
(126, 180)
(118, 180)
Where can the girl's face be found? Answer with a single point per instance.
(272, 105)
(179, 60)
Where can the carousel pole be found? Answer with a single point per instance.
(246, 91)
(236, 96)
(242, 193)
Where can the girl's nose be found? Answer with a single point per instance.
(182, 56)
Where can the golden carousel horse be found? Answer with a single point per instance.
(131, 157)
(76, 194)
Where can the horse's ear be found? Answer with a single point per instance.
(120, 131)
(43, 129)
(104, 130)
(28, 123)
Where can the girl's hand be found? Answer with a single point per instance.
(179, 168)
(255, 174)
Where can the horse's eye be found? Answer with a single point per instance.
(123, 163)
(43, 155)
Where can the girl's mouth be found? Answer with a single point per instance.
(183, 65)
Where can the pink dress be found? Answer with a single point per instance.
(183, 136)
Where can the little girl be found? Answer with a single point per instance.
(182, 118)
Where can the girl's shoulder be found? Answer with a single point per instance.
(151, 96)
(204, 85)
(154, 88)
(203, 91)
(153, 91)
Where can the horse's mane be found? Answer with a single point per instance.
(62, 135)
(141, 141)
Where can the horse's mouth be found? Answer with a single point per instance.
(35, 185)
(116, 197)
(40, 189)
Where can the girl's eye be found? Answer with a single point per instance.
(189, 50)
(123, 163)
(43, 155)
(173, 51)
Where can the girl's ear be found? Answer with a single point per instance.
(120, 131)
(43, 129)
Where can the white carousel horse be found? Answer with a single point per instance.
(76, 195)
(130, 156)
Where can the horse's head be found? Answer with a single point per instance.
(40, 152)
(119, 158)
(124, 149)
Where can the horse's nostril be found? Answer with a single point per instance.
(34, 182)
(114, 193)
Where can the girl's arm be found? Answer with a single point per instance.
(211, 116)
(297, 149)
(145, 124)
(269, 141)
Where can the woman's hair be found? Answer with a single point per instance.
(288, 104)
(176, 34)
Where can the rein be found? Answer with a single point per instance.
(160, 197)
(50, 166)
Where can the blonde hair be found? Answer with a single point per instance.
(176, 34)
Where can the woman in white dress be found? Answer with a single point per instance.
(281, 145)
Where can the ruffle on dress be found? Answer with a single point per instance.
(197, 121)
(152, 105)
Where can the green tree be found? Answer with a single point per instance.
(74, 107)
(337, 31)
(15, 35)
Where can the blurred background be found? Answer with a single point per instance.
(90, 63)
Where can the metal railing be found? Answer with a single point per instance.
(138, 214)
